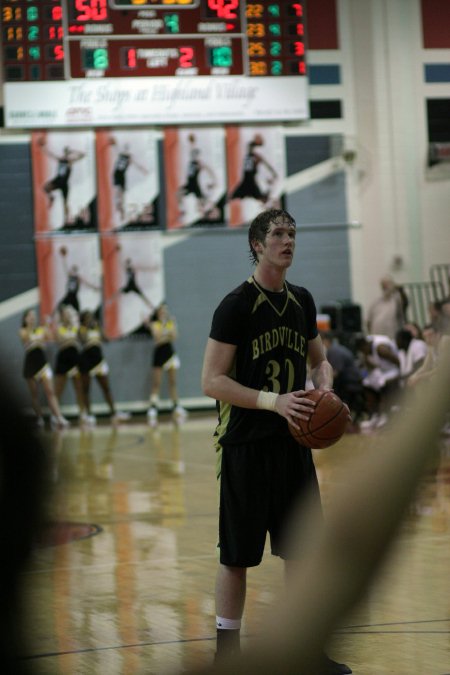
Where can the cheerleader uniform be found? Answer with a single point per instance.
(164, 355)
(92, 361)
(35, 364)
(68, 356)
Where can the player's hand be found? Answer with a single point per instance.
(349, 414)
(294, 406)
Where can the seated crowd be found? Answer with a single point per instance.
(373, 370)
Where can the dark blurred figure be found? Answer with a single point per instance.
(347, 375)
(414, 329)
(22, 475)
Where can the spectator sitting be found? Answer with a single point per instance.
(434, 311)
(445, 315)
(437, 339)
(412, 353)
(414, 329)
(381, 382)
(347, 375)
(434, 339)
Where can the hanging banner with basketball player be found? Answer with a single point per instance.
(128, 180)
(69, 272)
(133, 281)
(256, 163)
(195, 177)
(64, 183)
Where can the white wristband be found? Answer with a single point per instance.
(266, 400)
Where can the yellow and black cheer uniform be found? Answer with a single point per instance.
(68, 356)
(261, 468)
(164, 355)
(92, 361)
(35, 364)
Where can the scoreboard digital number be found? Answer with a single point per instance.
(57, 40)
(98, 40)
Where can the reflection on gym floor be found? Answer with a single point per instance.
(122, 578)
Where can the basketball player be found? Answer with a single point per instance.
(61, 180)
(130, 285)
(73, 283)
(263, 334)
(36, 369)
(357, 534)
(192, 184)
(123, 161)
(248, 187)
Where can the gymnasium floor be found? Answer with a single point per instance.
(123, 582)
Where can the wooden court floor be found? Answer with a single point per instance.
(123, 580)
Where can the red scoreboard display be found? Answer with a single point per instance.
(226, 43)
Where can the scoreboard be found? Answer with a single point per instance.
(102, 62)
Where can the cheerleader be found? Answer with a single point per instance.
(36, 369)
(163, 328)
(93, 364)
(68, 360)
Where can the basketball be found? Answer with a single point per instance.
(327, 423)
(63, 250)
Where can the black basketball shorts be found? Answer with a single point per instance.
(261, 485)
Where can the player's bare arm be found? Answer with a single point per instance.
(217, 383)
(321, 369)
(386, 353)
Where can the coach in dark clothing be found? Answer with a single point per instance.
(347, 382)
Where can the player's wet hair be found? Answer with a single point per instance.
(260, 225)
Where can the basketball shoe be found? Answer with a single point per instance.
(87, 420)
(179, 414)
(331, 667)
(59, 422)
(120, 416)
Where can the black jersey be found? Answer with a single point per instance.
(120, 169)
(64, 169)
(250, 164)
(73, 283)
(271, 332)
(248, 187)
(123, 161)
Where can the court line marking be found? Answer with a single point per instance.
(183, 641)
(398, 623)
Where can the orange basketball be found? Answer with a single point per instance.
(327, 423)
